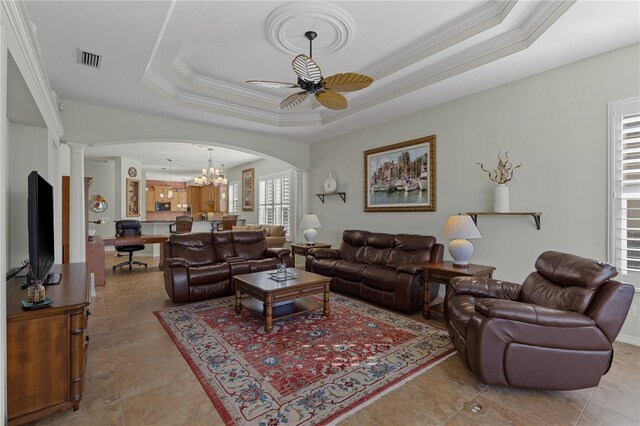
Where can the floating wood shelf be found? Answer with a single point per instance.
(535, 215)
(342, 195)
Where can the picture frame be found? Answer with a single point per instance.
(133, 197)
(248, 193)
(401, 177)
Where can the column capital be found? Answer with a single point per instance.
(76, 146)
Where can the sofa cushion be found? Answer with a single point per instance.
(378, 247)
(223, 245)
(353, 245)
(249, 244)
(567, 270)
(276, 231)
(410, 249)
(349, 270)
(208, 274)
(196, 248)
(537, 290)
(379, 277)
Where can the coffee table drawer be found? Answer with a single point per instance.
(293, 293)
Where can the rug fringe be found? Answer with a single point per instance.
(389, 389)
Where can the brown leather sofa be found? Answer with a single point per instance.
(275, 234)
(201, 266)
(381, 268)
(555, 331)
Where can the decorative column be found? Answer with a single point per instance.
(77, 221)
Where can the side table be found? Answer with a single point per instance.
(443, 272)
(302, 249)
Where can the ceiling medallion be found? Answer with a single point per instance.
(283, 24)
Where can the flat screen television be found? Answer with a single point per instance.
(40, 223)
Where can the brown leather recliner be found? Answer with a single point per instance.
(201, 266)
(555, 331)
(382, 268)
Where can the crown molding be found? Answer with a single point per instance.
(156, 81)
(339, 20)
(219, 85)
(466, 26)
(498, 47)
(16, 16)
(469, 25)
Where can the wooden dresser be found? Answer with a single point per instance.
(47, 347)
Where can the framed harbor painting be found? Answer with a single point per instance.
(401, 177)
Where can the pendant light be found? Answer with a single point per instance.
(161, 195)
(170, 192)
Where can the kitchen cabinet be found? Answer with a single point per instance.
(151, 200)
(161, 194)
(193, 198)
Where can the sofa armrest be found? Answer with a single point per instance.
(532, 314)
(235, 259)
(324, 253)
(176, 279)
(176, 261)
(485, 287)
(437, 253)
(277, 253)
(410, 269)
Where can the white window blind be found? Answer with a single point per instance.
(233, 197)
(274, 201)
(624, 189)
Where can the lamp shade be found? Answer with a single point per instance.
(460, 226)
(310, 221)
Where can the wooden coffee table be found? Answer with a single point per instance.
(266, 292)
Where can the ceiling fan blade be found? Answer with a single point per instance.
(293, 100)
(331, 100)
(347, 82)
(307, 69)
(272, 84)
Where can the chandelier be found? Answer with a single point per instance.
(211, 175)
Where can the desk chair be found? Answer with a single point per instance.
(129, 228)
(228, 222)
(182, 225)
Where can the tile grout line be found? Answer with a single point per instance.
(585, 406)
(459, 410)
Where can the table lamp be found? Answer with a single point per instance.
(309, 222)
(460, 228)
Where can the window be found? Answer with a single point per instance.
(233, 197)
(624, 189)
(274, 201)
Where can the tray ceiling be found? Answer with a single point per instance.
(190, 60)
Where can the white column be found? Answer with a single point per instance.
(77, 221)
(56, 180)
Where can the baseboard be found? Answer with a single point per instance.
(627, 338)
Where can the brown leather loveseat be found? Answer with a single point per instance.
(555, 331)
(381, 268)
(201, 266)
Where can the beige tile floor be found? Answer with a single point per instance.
(136, 376)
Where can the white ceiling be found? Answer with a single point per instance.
(189, 60)
(188, 159)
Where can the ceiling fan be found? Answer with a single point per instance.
(311, 82)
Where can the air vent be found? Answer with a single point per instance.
(89, 59)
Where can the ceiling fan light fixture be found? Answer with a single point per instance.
(311, 82)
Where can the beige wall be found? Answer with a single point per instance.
(554, 122)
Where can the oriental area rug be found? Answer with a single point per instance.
(311, 369)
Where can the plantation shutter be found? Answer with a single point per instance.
(274, 201)
(233, 197)
(624, 188)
